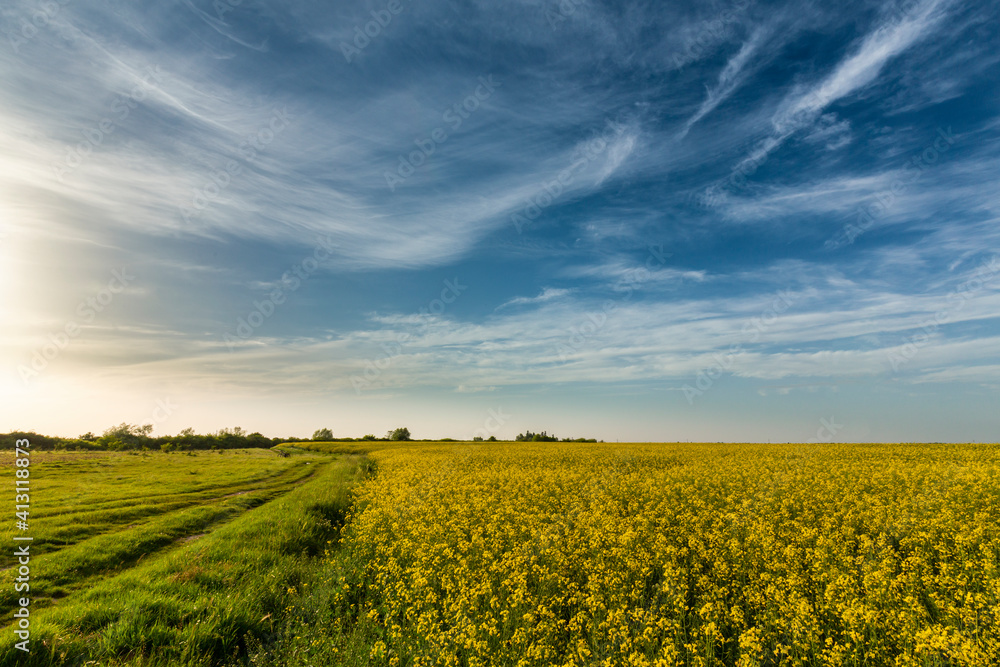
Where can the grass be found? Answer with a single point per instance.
(202, 575)
(75, 495)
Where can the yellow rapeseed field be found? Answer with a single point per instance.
(605, 554)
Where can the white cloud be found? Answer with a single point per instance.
(617, 153)
(852, 74)
(831, 329)
(731, 78)
(547, 294)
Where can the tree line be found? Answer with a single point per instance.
(133, 436)
(528, 436)
(139, 437)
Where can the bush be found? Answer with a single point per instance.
(37, 441)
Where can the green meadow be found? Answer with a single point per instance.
(151, 558)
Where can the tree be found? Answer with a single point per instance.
(126, 436)
(323, 435)
(528, 436)
(402, 433)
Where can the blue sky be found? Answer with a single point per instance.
(637, 221)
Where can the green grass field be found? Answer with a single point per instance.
(172, 559)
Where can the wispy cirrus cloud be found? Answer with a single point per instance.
(547, 294)
(731, 77)
(852, 74)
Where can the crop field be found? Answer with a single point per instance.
(472, 554)
(541, 554)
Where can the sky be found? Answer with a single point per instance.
(634, 221)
